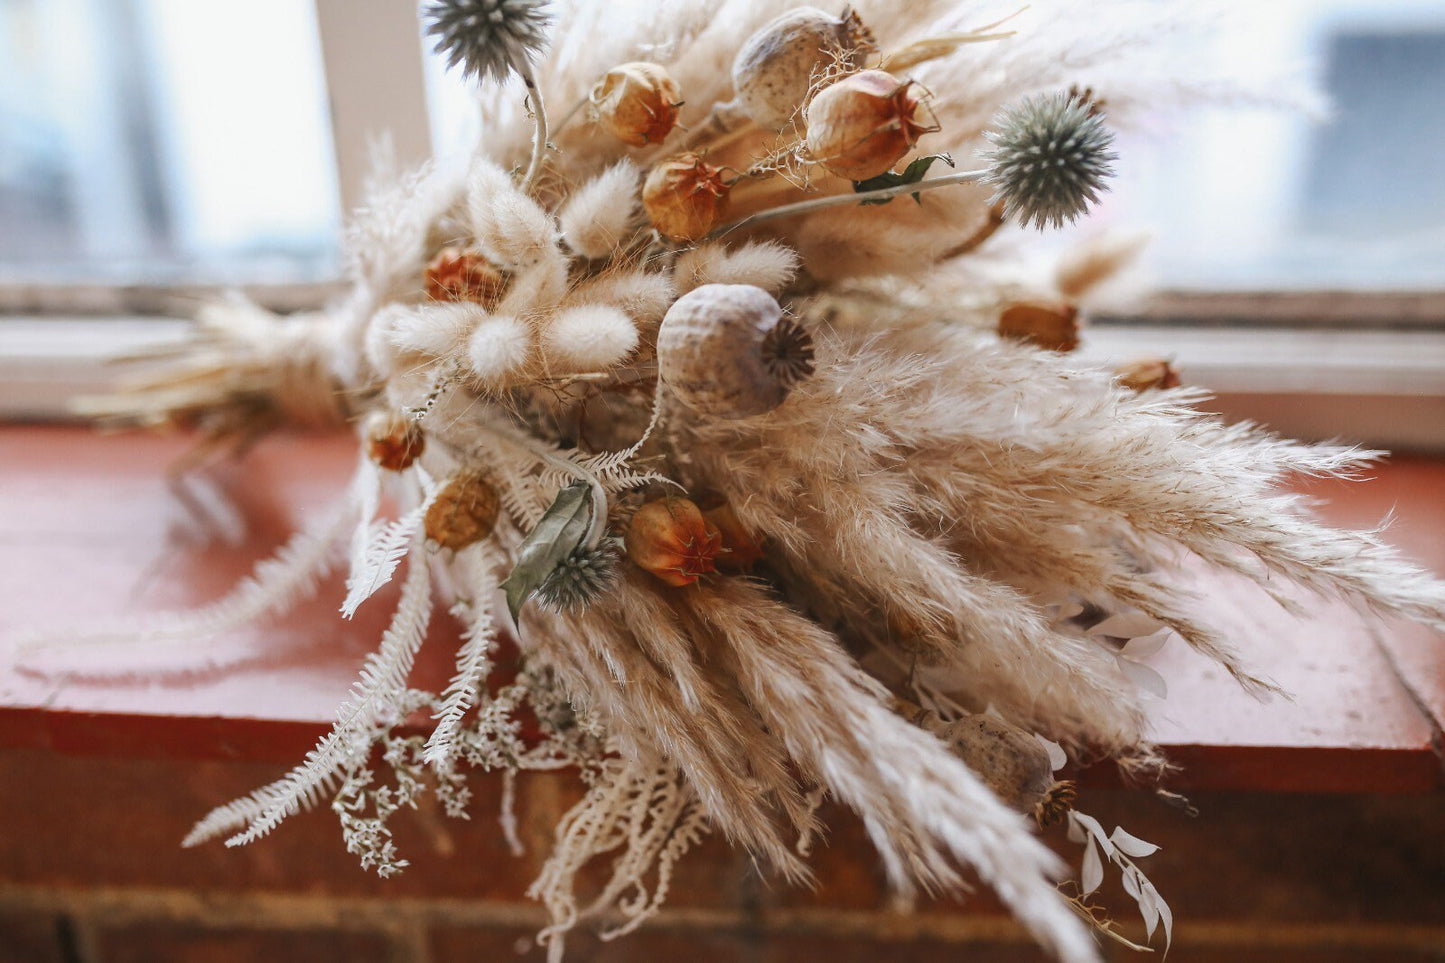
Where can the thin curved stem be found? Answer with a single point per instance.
(843, 200)
(539, 136)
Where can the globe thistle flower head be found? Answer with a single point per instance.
(1050, 159)
(584, 576)
(488, 38)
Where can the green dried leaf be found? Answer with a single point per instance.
(559, 533)
(912, 174)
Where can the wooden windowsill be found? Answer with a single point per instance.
(91, 529)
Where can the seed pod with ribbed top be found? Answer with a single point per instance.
(778, 64)
(729, 350)
(685, 197)
(636, 103)
(865, 123)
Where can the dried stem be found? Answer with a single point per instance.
(843, 200)
(539, 136)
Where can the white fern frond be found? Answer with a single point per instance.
(150, 646)
(382, 549)
(474, 657)
(383, 680)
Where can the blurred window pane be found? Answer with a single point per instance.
(1268, 198)
(153, 141)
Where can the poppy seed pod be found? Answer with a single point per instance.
(862, 125)
(393, 442)
(685, 197)
(778, 65)
(671, 539)
(729, 351)
(637, 103)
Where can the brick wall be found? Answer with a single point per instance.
(90, 872)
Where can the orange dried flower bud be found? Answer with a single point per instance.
(456, 274)
(1142, 374)
(1053, 325)
(392, 441)
(685, 197)
(862, 125)
(637, 103)
(671, 539)
(463, 513)
(740, 550)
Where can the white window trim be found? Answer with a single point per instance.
(1376, 387)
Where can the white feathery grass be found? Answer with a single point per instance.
(642, 295)
(765, 264)
(589, 337)
(382, 679)
(498, 349)
(511, 228)
(434, 329)
(598, 215)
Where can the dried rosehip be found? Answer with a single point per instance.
(464, 512)
(862, 125)
(1053, 325)
(671, 539)
(456, 274)
(685, 197)
(1143, 374)
(392, 441)
(740, 550)
(637, 103)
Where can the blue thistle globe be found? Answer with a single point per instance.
(488, 38)
(584, 576)
(1050, 159)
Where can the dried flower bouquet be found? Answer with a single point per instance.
(741, 403)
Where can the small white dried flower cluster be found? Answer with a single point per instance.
(734, 330)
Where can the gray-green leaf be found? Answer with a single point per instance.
(559, 533)
(912, 174)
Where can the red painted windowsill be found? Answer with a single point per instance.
(91, 529)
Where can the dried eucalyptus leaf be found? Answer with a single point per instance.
(559, 533)
(912, 174)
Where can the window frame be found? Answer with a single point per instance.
(1384, 349)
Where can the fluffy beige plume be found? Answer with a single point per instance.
(598, 215)
(765, 264)
(590, 337)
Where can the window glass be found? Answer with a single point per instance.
(147, 141)
(1271, 198)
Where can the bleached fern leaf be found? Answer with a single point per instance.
(275, 585)
(380, 551)
(373, 699)
(474, 659)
